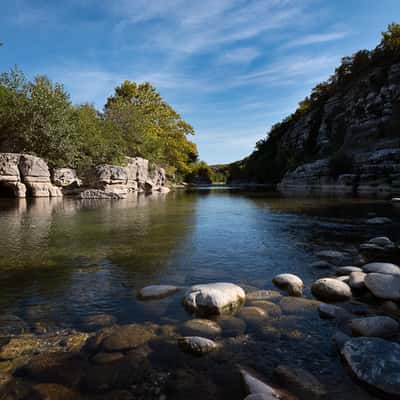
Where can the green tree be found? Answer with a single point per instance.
(98, 140)
(151, 127)
(391, 39)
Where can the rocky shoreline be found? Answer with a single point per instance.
(24, 175)
(231, 331)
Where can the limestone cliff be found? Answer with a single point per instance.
(363, 123)
(24, 175)
(347, 141)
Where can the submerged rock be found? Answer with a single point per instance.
(95, 322)
(381, 268)
(384, 286)
(290, 283)
(321, 264)
(332, 311)
(333, 256)
(127, 337)
(263, 295)
(99, 194)
(271, 308)
(157, 291)
(300, 381)
(214, 298)
(339, 339)
(201, 327)
(197, 345)
(379, 326)
(376, 362)
(232, 326)
(294, 305)
(53, 391)
(347, 270)
(329, 289)
(105, 358)
(252, 314)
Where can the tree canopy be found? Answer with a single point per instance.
(38, 117)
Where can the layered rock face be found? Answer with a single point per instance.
(116, 181)
(363, 123)
(23, 174)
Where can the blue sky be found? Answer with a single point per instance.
(231, 68)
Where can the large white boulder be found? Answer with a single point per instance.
(290, 283)
(214, 298)
(328, 289)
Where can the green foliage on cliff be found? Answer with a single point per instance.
(38, 117)
(271, 159)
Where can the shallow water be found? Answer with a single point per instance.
(64, 259)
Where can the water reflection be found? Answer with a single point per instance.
(64, 258)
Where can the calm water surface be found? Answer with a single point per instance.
(64, 259)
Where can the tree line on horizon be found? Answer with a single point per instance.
(38, 117)
(271, 160)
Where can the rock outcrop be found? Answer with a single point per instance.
(117, 181)
(348, 143)
(24, 175)
(362, 122)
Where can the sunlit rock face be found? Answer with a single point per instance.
(24, 174)
(117, 181)
(362, 123)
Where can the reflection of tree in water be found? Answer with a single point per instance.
(69, 252)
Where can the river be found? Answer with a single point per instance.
(63, 260)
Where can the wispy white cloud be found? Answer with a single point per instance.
(241, 55)
(290, 68)
(190, 27)
(316, 38)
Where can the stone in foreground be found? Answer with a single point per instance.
(289, 283)
(197, 345)
(384, 286)
(376, 362)
(357, 280)
(214, 298)
(255, 386)
(381, 241)
(331, 311)
(382, 268)
(157, 291)
(300, 381)
(328, 289)
(126, 337)
(201, 327)
(379, 221)
(378, 326)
